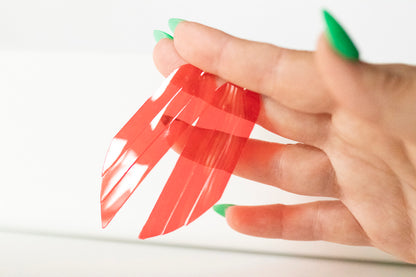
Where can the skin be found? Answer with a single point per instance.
(356, 127)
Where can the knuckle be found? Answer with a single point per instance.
(394, 80)
(317, 230)
(275, 74)
(391, 81)
(222, 61)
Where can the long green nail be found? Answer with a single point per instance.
(339, 39)
(221, 208)
(173, 22)
(158, 35)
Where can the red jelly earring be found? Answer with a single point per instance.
(208, 125)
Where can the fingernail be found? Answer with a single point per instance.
(339, 39)
(221, 208)
(173, 22)
(158, 35)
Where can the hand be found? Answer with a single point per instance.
(356, 124)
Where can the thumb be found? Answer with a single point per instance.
(383, 94)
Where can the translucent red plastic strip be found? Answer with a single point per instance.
(208, 126)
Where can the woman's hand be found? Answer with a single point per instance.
(356, 124)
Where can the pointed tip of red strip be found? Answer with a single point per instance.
(105, 167)
(146, 235)
(106, 216)
(102, 194)
(104, 224)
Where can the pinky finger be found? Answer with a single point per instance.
(322, 220)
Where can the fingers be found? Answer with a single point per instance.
(165, 57)
(382, 94)
(295, 168)
(287, 76)
(308, 128)
(322, 220)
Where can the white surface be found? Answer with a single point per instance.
(29, 255)
(58, 113)
(381, 28)
(73, 72)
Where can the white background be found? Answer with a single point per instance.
(73, 72)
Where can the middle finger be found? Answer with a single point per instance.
(299, 126)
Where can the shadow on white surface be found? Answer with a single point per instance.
(39, 255)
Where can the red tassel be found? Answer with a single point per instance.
(208, 125)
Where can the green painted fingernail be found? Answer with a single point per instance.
(221, 208)
(339, 39)
(158, 35)
(173, 22)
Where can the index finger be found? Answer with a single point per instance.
(288, 76)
